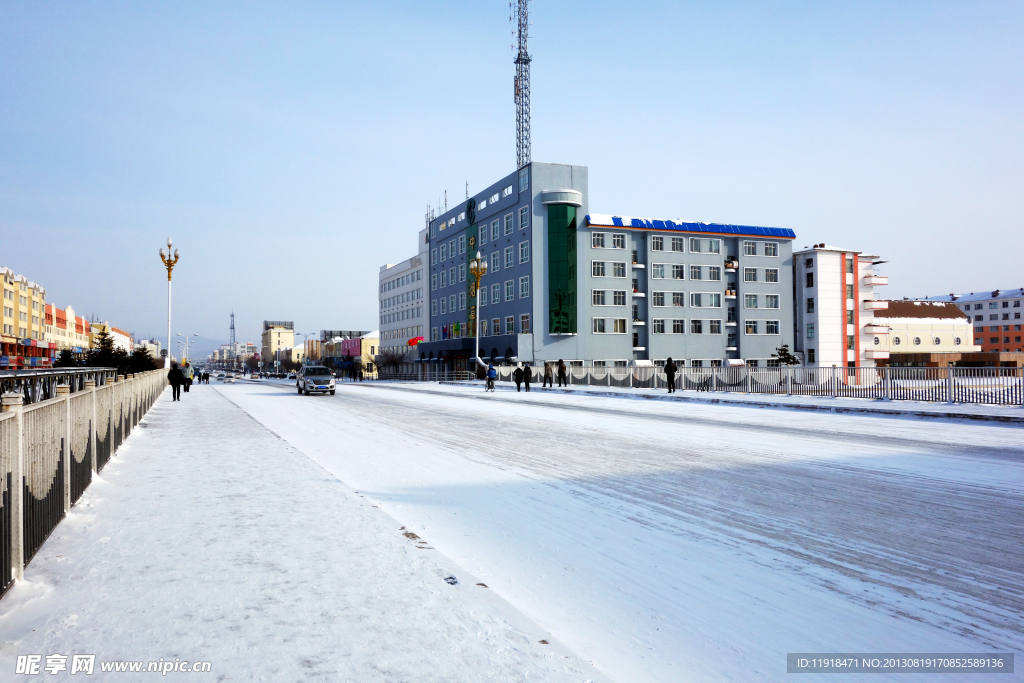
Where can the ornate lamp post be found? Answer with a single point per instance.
(170, 262)
(477, 268)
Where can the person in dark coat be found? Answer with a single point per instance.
(670, 374)
(527, 377)
(517, 377)
(176, 378)
(547, 376)
(561, 373)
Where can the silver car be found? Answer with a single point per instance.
(314, 378)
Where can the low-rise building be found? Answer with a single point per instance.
(915, 327)
(67, 330)
(995, 315)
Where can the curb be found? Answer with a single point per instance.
(855, 410)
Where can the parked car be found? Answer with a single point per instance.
(314, 378)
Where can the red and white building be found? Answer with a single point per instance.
(66, 330)
(836, 300)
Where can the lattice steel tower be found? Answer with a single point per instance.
(232, 342)
(521, 18)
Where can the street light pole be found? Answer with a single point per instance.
(169, 261)
(477, 268)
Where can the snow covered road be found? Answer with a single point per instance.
(681, 542)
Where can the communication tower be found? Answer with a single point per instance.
(521, 19)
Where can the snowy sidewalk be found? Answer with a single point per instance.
(1011, 415)
(208, 538)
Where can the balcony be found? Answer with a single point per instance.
(872, 305)
(730, 323)
(876, 329)
(639, 294)
(731, 265)
(639, 348)
(640, 266)
(876, 355)
(875, 280)
(638, 322)
(731, 348)
(730, 294)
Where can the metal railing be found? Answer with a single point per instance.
(50, 450)
(41, 385)
(1000, 386)
(427, 376)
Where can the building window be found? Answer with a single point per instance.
(850, 342)
(619, 241)
(750, 274)
(462, 244)
(509, 257)
(750, 300)
(619, 326)
(524, 323)
(597, 240)
(510, 290)
(678, 272)
(658, 244)
(599, 326)
(483, 328)
(481, 296)
(462, 301)
(810, 280)
(496, 326)
(524, 178)
(877, 341)
(433, 282)
(810, 304)
(619, 297)
(810, 355)
(771, 274)
(714, 273)
(598, 297)
(451, 248)
(810, 331)
(938, 341)
(451, 303)
(597, 268)
(849, 291)
(524, 217)
(444, 305)
(659, 326)
(444, 279)
(483, 235)
(495, 261)
(678, 326)
(678, 298)
(524, 252)
(444, 252)
(433, 334)
(433, 256)
(433, 307)
(714, 327)
(771, 300)
(705, 300)
(694, 245)
(510, 325)
(750, 327)
(678, 244)
(896, 341)
(495, 294)
(750, 248)
(619, 269)
(658, 299)
(695, 273)
(917, 341)
(771, 249)
(509, 226)
(849, 265)
(462, 272)
(495, 230)
(696, 327)
(658, 271)
(524, 287)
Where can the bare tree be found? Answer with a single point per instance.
(391, 359)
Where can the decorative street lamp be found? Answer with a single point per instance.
(477, 268)
(187, 340)
(170, 262)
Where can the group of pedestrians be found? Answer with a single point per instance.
(523, 375)
(184, 377)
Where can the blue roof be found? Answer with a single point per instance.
(688, 226)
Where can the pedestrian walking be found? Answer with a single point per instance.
(492, 374)
(670, 374)
(527, 377)
(547, 376)
(188, 374)
(206, 378)
(517, 376)
(176, 379)
(561, 373)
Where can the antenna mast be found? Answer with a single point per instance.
(232, 342)
(521, 17)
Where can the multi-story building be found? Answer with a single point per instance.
(611, 290)
(122, 340)
(23, 340)
(836, 304)
(276, 335)
(152, 345)
(362, 350)
(996, 316)
(65, 329)
(402, 302)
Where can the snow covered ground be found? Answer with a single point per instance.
(207, 538)
(684, 542)
(660, 541)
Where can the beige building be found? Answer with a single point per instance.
(24, 306)
(922, 327)
(122, 339)
(67, 330)
(277, 334)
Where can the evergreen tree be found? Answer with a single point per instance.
(66, 359)
(783, 355)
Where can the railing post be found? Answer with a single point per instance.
(64, 393)
(12, 402)
(835, 383)
(90, 386)
(789, 380)
(949, 384)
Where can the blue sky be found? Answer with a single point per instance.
(292, 148)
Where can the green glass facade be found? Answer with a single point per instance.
(561, 269)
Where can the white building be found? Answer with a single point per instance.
(402, 292)
(153, 345)
(996, 316)
(836, 301)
